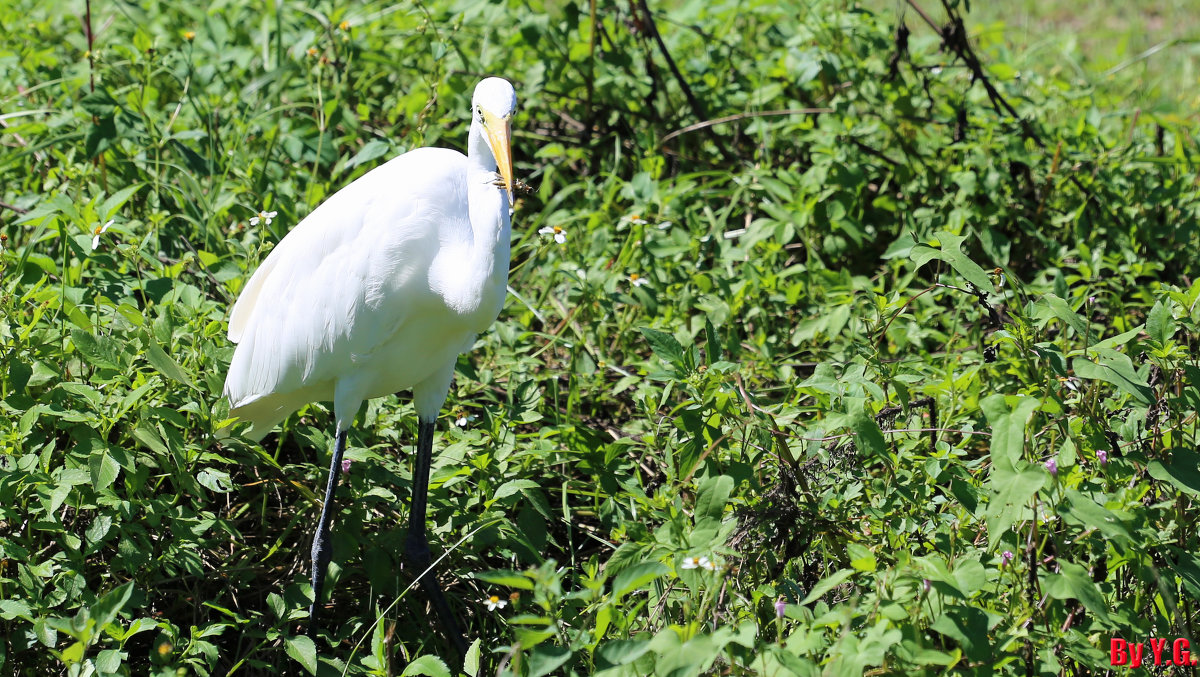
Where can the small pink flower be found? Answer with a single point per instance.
(345, 466)
(1102, 456)
(1052, 466)
(780, 606)
(1006, 557)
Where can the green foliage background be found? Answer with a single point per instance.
(911, 358)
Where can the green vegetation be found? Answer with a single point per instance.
(913, 370)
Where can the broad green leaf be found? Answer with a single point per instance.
(99, 103)
(116, 201)
(104, 468)
(108, 661)
(1117, 369)
(712, 495)
(1074, 582)
(1008, 418)
(861, 558)
(622, 651)
(664, 345)
(867, 434)
(99, 352)
(635, 577)
(505, 578)
(1011, 492)
(1160, 324)
(546, 658)
(432, 666)
(14, 608)
(825, 585)
(215, 480)
(471, 660)
(949, 250)
(303, 651)
(372, 150)
(107, 607)
(1083, 510)
(513, 486)
(969, 627)
(1053, 306)
(1182, 470)
(166, 366)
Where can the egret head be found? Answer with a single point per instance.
(492, 107)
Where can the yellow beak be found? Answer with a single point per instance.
(499, 137)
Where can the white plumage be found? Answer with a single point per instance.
(378, 290)
(381, 287)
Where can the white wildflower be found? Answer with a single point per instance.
(100, 230)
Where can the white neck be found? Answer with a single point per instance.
(488, 206)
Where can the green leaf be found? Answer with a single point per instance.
(14, 608)
(1080, 509)
(636, 576)
(104, 468)
(867, 434)
(1008, 417)
(98, 352)
(513, 486)
(950, 252)
(108, 661)
(969, 627)
(303, 651)
(1160, 323)
(99, 103)
(162, 362)
(432, 666)
(664, 345)
(712, 495)
(215, 480)
(861, 558)
(471, 660)
(107, 607)
(371, 150)
(1117, 369)
(547, 658)
(1011, 491)
(505, 578)
(1074, 583)
(826, 584)
(1053, 306)
(622, 651)
(116, 201)
(1182, 470)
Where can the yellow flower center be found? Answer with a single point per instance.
(345, 25)
(493, 599)
(189, 35)
(99, 229)
(557, 230)
(312, 51)
(634, 277)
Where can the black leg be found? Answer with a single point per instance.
(416, 547)
(322, 549)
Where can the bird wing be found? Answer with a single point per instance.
(346, 279)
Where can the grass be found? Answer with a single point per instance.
(1145, 55)
(912, 366)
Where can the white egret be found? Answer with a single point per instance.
(380, 289)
